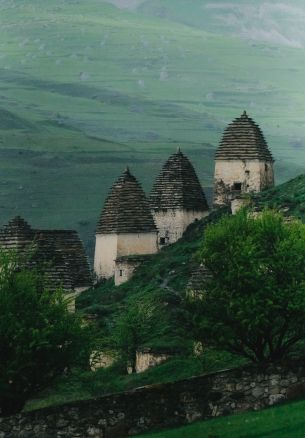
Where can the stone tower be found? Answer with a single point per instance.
(243, 162)
(126, 229)
(177, 198)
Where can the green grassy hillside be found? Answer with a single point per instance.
(168, 272)
(281, 422)
(163, 278)
(289, 198)
(87, 87)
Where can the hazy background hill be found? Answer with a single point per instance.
(87, 87)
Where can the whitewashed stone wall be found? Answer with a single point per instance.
(172, 223)
(149, 359)
(99, 360)
(105, 255)
(111, 246)
(253, 175)
(124, 270)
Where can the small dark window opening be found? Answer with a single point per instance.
(237, 187)
(266, 167)
(162, 240)
(121, 273)
(247, 172)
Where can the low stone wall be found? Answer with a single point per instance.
(162, 406)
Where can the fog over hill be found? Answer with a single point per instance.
(89, 86)
(271, 22)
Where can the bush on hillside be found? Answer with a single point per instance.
(253, 304)
(39, 338)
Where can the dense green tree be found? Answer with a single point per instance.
(135, 325)
(39, 338)
(253, 302)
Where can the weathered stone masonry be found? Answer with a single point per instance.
(177, 199)
(162, 406)
(243, 162)
(126, 228)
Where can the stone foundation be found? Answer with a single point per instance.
(162, 406)
(144, 360)
(125, 268)
(148, 359)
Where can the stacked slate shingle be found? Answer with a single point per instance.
(126, 209)
(59, 255)
(17, 235)
(178, 187)
(243, 140)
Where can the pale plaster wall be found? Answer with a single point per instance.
(137, 244)
(101, 360)
(254, 176)
(144, 360)
(105, 255)
(126, 268)
(111, 246)
(148, 360)
(172, 223)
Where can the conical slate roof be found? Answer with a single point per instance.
(243, 139)
(126, 208)
(177, 186)
(59, 254)
(17, 234)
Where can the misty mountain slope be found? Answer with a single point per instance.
(88, 87)
(274, 22)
